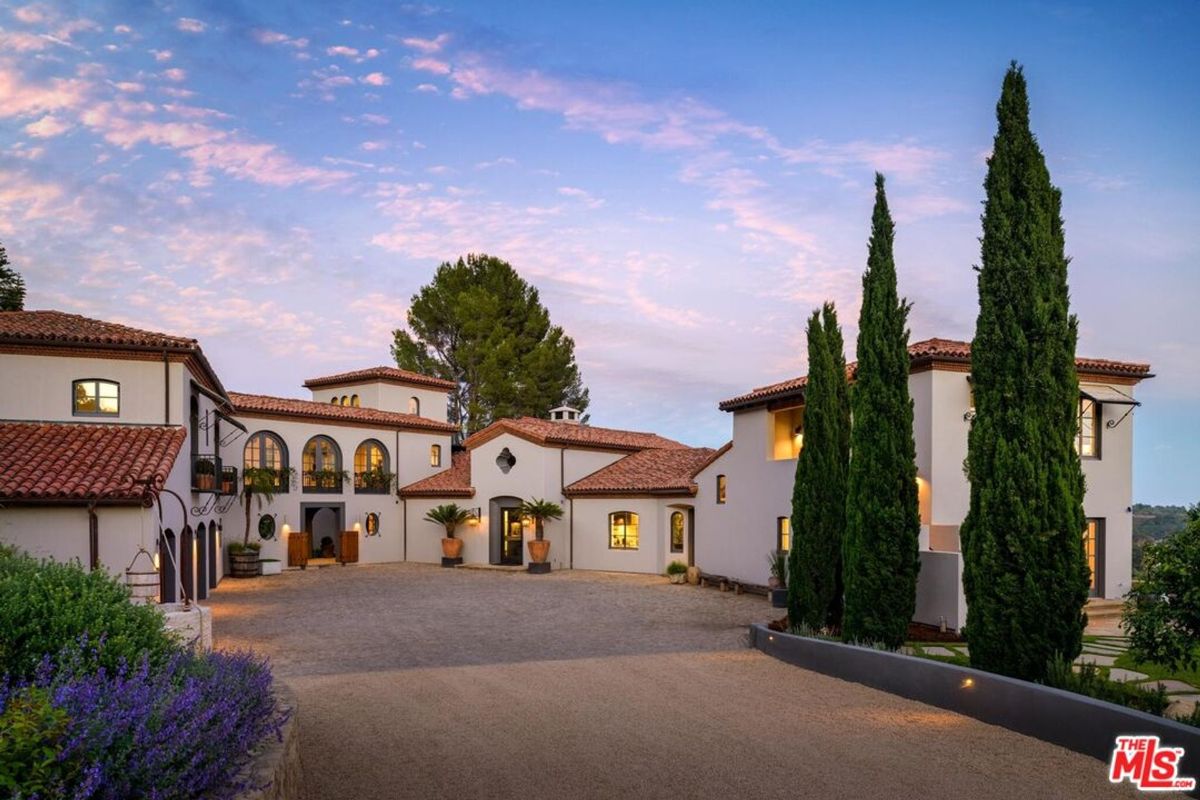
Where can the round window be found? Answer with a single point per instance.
(266, 527)
(372, 524)
(505, 460)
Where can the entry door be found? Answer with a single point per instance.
(1093, 551)
(512, 537)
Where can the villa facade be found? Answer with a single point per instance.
(115, 441)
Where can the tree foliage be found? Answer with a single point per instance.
(883, 523)
(12, 285)
(480, 325)
(1024, 571)
(819, 493)
(1162, 613)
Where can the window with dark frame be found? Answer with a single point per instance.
(783, 534)
(265, 450)
(322, 466)
(94, 397)
(435, 455)
(721, 486)
(623, 531)
(1087, 437)
(371, 467)
(677, 529)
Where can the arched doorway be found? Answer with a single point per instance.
(166, 567)
(187, 562)
(202, 561)
(323, 525)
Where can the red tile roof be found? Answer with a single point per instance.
(566, 434)
(264, 405)
(74, 462)
(385, 374)
(928, 351)
(667, 472)
(452, 482)
(59, 330)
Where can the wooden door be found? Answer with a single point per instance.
(349, 547)
(299, 547)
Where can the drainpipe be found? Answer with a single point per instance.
(93, 537)
(404, 506)
(571, 527)
(166, 389)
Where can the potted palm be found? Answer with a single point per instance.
(258, 484)
(450, 516)
(538, 511)
(777, 583)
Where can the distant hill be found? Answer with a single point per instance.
(1152, 524)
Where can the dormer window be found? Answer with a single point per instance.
(96, 398)
(414, 406)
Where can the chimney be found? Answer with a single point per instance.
(565, 414)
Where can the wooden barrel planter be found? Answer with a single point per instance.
(244, 564)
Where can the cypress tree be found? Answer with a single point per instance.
(1024, 571)
(819, 492)
(883, 523)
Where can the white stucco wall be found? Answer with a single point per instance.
(388, 397)
(592, 549)
(61, 533)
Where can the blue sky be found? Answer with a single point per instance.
(683, 182)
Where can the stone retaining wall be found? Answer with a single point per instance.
(1067, 719)
(277, 767)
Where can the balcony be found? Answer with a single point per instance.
(323, 481)
(375, 481)
(208, 475)
(282, 478)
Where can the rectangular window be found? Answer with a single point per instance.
(435, 455)
(623, 531)
(1093, 552)
(96, 398)
(783, 534)
(787, 437)
(1087, 438)
(721, 483)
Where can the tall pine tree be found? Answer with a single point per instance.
(883, 523)
(12, 285)
(819, 493)
(1024, 571)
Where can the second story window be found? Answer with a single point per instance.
(96, 398)
(265, 450)
(414, 406)
(435, 455)
(1087, 437)
(721, 485)
(322, 465)
(371, 468)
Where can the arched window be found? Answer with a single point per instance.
(677, 525)
(414, 406)
(322, 465)
(623, 531)
(721, 486)
(355, 402)
(96, 398)
(265, 450)
(334, 400)
(371, 475)
(435, 455)
(345, 400)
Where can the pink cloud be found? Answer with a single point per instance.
(433, 65)
(375, 79)
(18, 97)
(47, 127)
(175, 74)
(31, 14)
(263, 36)
(341, 50)
(428, 45)
(191, 25)
(161, 55)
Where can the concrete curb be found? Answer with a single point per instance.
(1069, 720)
(277, 767)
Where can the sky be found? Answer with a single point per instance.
(683, 182)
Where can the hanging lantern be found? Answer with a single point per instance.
(142, 578)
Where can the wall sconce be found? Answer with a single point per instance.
(476, 516)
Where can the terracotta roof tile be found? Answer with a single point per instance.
(926, 351)
(41, 462)
(385, 374)
(547, 432)
(452, 482)
(646, 472)
(265, 405)
(58, 329)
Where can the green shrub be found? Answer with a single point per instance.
(1162, 613)
(1090, 682)
(676, 568)
(46, 606)
(32, 730)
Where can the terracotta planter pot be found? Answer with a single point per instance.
(205, 483)
(452, 548)
(539, 550)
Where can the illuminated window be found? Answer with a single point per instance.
(1087, 437)
(435, 455)
(788, 433)
(355, 402)
(677, 525)
(1093, 549)
(414, 406)
(322, 463)
(335, 400)
(783, 534)
(265, 450)
(345, 400)
(623, 531)
(721, 484)
(96, 398)
(371, 468)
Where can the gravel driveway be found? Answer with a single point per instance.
(416, 681)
